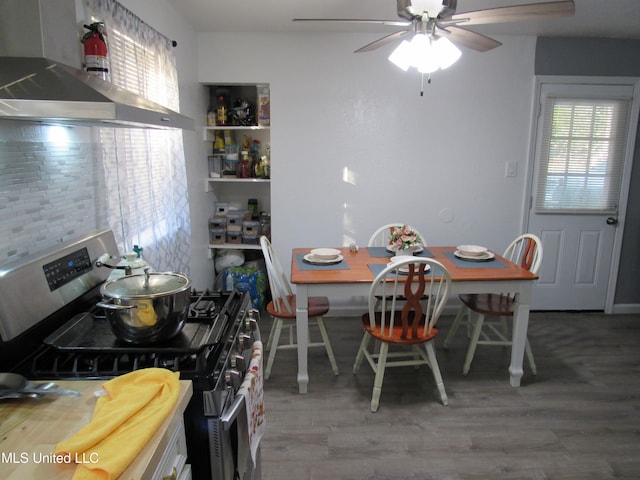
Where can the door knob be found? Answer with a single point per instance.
(612, 221)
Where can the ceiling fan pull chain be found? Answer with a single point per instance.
(422, 83)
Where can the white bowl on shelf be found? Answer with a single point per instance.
(472, 250)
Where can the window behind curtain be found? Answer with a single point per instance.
(145, 173)
(581, 155)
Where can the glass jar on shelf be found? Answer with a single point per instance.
(222, 113)
(244, 165)
(265, 224)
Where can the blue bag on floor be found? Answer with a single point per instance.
(249, 280)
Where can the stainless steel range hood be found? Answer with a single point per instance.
(40, 81)
(43, 90)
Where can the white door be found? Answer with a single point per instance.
(582, 143)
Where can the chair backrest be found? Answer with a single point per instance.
(418, 287)
(380, 238)
(281, 292)
(526, 251)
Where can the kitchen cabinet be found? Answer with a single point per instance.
(173, 462)
(30, 429)
(225, 181)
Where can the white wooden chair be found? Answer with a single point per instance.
(282, 308)
(406, 324)
(380, 238)
(525, 250)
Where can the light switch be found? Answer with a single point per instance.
(510, 169)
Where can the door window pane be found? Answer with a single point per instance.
(581, 155)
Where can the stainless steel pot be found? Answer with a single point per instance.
(149, 308)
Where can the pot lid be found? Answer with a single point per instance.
(144, 286)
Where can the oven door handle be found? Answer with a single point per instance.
(230, 414)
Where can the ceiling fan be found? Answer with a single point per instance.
(438, 18)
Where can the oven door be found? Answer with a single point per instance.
(238, 463)
(243, 422)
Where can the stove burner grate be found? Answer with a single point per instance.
(88, 332)
(85, 346)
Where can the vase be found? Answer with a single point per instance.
(406, 252)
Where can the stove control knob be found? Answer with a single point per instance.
(244, 342)
(238, 363)
(251, 322)
(233, 378)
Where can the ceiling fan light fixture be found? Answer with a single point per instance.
(425, 54)
(447, 52)
(402, 55)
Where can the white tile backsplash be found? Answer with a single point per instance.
(50, 190)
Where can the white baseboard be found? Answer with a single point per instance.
(626, 308)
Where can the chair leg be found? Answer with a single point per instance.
(270, 339)
(277, 328)
(364, 344)
(532, 363)
(327, 345)
(377, 383)
(435, 369)
(454, 326)
(473, 343)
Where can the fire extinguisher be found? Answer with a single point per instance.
(95, 50)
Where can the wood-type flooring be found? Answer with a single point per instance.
(578, 419)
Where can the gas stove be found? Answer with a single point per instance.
(85, 346)
(68, 337)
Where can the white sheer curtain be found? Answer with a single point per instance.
(145, 175)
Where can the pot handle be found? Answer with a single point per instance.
(102, 260)
(111, 306)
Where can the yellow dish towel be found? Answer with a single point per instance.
(123, 422)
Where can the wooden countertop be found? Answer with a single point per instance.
(30, 428)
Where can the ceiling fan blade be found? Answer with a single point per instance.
(469, 39)
(517, 13)
(382, 41)
(393, 23)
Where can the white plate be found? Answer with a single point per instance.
(325, 253)
(472, 250)
(405, 269)
(309, 257)
(414, 249)
(399, 258)
(476, 258)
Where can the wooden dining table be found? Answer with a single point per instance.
(352, 277)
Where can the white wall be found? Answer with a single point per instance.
(436, 161)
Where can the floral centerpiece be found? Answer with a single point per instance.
(405, 238)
